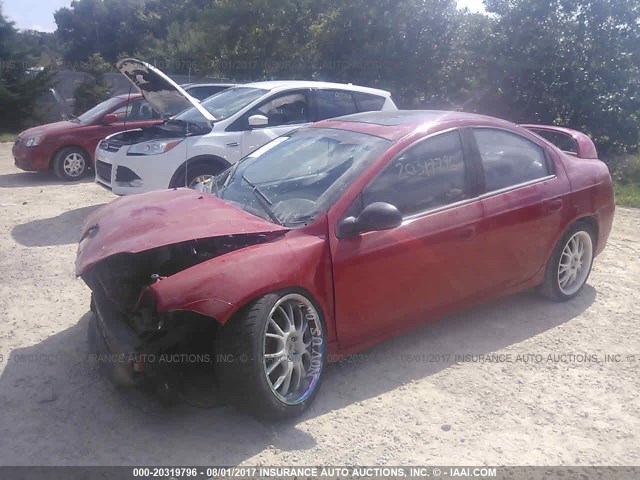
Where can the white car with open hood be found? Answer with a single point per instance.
(200, 140)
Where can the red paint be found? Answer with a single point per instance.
(584, 145)
(378, 284)
(137, 223)
(70, 134)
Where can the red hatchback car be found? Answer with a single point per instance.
(67, 147)
(335, 237)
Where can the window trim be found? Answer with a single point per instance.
(471, 160)
(239, 125)
(316, 101)
(470, 178)
(359, 106)
(155, 115)
(551, 167)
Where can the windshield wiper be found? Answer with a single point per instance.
(263, 200)
(73, 118)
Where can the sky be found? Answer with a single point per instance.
(38, 14)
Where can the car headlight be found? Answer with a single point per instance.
(33, 140)
(154, 147)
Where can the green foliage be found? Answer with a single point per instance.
(625, 171)
(569, 62)
(93, 89)
(627, 195)
(21, 82)
(625, 168)
(108, 27)
(8, 137)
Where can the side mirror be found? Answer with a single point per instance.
(258, 121)
(110, 118)
(375, 217)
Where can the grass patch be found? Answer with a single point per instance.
(8, 137)
(625, 171)
(627, 195)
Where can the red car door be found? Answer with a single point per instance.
(389, 279)
(524, 205)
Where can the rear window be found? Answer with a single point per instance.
(561, 140)
(335, 103)
(368, 102)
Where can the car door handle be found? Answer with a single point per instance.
(233, 144)
(466, 233)
(555, 205)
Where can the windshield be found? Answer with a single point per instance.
(99, 110)
(222, 105)
(296, 177)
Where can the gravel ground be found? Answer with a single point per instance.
(397, 404)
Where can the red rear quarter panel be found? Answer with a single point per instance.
(591, 194)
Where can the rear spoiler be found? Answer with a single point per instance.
(570, 141)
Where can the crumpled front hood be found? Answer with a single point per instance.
(142, 222)
(163, 94)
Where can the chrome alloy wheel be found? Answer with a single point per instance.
(293, 349)
(73, 165)
(575, 263)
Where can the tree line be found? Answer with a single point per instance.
(567, 62)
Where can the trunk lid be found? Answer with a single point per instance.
(569, 141)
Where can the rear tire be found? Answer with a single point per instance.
(271, 356)
(70, 164)
(570, 264)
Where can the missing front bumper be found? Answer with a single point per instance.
(115, 346)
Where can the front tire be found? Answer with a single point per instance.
(271, 356)
(197, 174)
(570, 264)
(70, 164)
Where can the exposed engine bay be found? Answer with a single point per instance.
(128, 322)
(168, 129)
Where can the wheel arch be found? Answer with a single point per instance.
(281, 291)
(586, 219)
(592, 224)
(546, 281)
(224, 313)
(220, 162)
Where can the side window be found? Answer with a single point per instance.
(562, 141)
(334, 103)
(428, 175)
(285, 109)
(369, 103)
(137, 111)
(509, 159)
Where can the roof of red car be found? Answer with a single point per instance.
(393, 125)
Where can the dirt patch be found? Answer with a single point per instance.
(411, 400)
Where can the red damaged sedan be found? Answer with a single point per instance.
(337, 236)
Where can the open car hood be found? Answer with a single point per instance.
(163, 94)
(142, 222)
